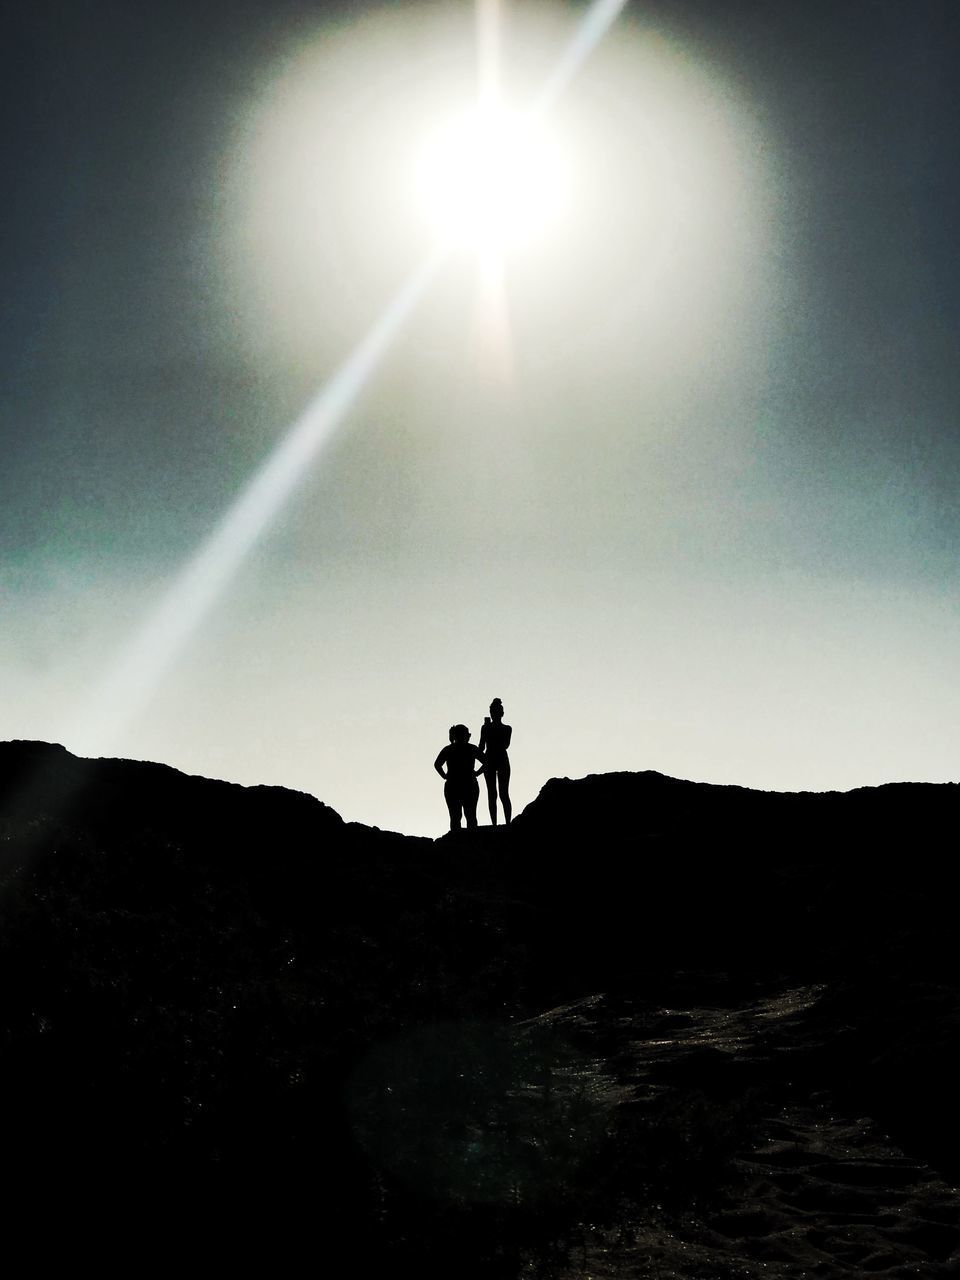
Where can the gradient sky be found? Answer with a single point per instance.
(706, 520)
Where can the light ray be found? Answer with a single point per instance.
(129, 686)
(595, 24)
(493, 348)
(492, 335)
(488, 52)
(492, 326)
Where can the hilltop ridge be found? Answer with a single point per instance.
(47, 774)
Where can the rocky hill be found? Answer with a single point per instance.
(655, 1027)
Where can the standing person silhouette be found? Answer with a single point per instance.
(460, 789)
(494, 740)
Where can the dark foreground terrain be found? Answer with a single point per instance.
(654, 1029)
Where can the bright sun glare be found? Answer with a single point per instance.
(492, 177)
(311, 195)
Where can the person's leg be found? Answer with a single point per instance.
(491, 780)
(470, 798)
(453, 805)
(504, 777)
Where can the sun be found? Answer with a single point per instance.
(492, 178)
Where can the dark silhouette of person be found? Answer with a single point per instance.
(494, 740)
(460, 788)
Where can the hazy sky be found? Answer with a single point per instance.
(693, 510)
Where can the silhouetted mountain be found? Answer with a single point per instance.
(495, 1053)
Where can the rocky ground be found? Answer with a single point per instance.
(814, 1188)
(653, 1029)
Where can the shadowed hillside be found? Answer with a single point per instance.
(559, 1048)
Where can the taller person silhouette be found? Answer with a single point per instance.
(494, 740)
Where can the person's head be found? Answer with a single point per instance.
(496, 709)
(459, 733)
